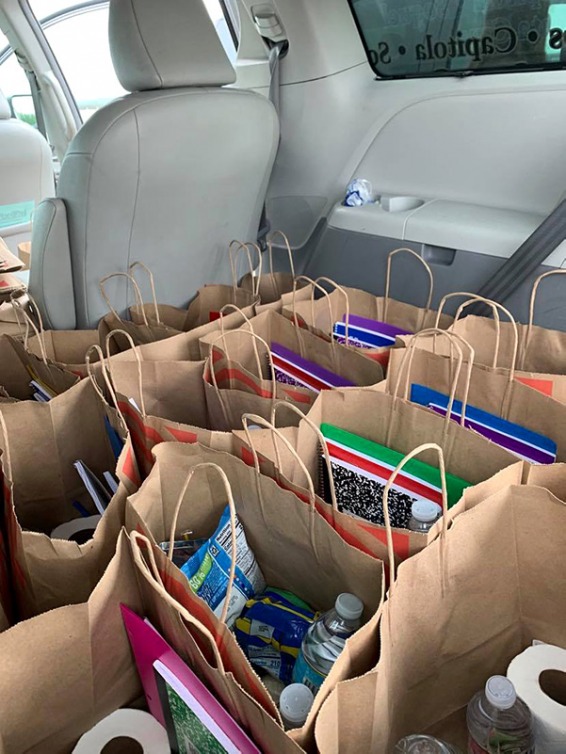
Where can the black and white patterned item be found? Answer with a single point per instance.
(362, 496)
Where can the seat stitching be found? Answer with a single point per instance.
(135, 199)
(144, 44)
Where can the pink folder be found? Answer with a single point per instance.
(149, 647)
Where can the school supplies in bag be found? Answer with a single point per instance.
(209, 568)
(271, 629)
(292, 369)
(361, 468)
(363, 332)
(528, 445)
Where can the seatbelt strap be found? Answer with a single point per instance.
(35, 93)
(523, 262)
(277, 51)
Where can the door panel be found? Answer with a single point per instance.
(487, 154)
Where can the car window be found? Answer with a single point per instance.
(458, 37)
(78, 37)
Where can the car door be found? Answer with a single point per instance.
(453, 108)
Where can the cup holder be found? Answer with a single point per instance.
(400, 203)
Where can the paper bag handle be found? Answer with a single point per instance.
(495, 308)
(407, 361)
(247, 321)
(233, 538)
(388, 281)
(111, 335)
(240, 246)
(387, 488)
(285, 240)
(212, 369)
(137, 293)
(17, 305)
(152, 575)
(275, 433)
(260, 421)
(321, 439)
(149, 273)
(107, 380)
(532, 302)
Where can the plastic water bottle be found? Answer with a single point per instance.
(325, 639)
(424, 514)
(295, 704)
(418, 744)
(498, 721)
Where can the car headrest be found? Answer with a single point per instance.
(5, 113)
(162, 44)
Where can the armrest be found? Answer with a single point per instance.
(51, 274)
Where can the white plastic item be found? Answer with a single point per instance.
(125, 723)
(500, 692)
(295, 704)
(548, 714)
(423, 515)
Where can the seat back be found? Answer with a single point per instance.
(26, 168)
(169, 174)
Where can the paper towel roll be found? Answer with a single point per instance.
(78, 530)
(129, 723)
(549, 715)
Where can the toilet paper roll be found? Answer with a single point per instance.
(129, 723)
(549, 715)
(78, 530)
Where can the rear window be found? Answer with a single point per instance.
(458, 37)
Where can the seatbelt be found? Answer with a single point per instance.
(35, 93)
(523, 262)
(276, 52)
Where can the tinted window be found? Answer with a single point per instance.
(435, 37)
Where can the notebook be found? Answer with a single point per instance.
(292, 369)
(524, 443)
(195, 720)
(367, 333)
(361, 469)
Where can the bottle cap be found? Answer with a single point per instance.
(348, 606)
(426, 511)
(295, 703)
(500, 692)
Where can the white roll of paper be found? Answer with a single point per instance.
(77, 530)
(126, 723)
(548, 714)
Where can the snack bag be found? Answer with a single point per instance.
(208, 570)
(271, 629)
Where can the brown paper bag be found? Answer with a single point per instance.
(65, 348)
(320, 315)
(18, 367)
(538, 354)
(167, 389)
(40, 442)
(235, 354)
(231, 390)
(206, 305)
(459, 613)
(275, 289)
(24, 252)
(144, 331)
(63, 671)
(306, 557)
(492, 390)
(399, 425)
(8, 262)
(211, 653)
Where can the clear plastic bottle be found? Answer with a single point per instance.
(424, 513)
(295, 704)
(325, 640)
(498, 721)
(419, 744)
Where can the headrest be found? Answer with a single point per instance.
(162, 44)
(5, 113)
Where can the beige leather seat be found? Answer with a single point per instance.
(26, 167)
(167, 175)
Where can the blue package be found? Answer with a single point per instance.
(208, 570)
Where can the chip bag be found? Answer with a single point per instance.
(208, 570)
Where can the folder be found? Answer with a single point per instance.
(293, 369)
